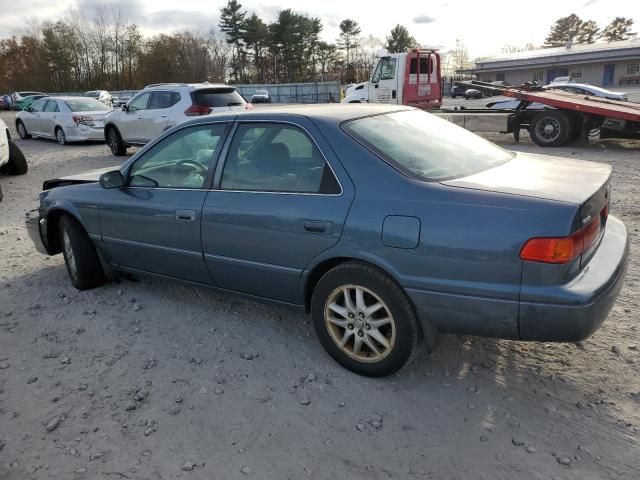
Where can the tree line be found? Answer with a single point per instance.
(104, 51)
(573, 30)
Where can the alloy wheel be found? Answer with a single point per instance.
(69, 254)
(360, 323)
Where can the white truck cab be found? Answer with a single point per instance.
(411, 78)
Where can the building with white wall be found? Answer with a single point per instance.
(606, 64)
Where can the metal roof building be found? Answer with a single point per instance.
(608, 64)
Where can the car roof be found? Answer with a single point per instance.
(586, 87)
(329, 113)
(193, 86)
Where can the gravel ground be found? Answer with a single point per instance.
(152, 380)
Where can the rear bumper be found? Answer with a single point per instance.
(576, 310)
(85, 133)
(562, 313)
(37, 229)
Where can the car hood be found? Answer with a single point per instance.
(91, 176)
(541, 176)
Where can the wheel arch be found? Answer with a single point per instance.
(313, 275)
(53, 224)
(109, 125)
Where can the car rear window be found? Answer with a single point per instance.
(424, 146)
(217, 97)
(85, 105)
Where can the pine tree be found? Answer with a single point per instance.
(565, 30)
(588, 32)
(255, 36)
(349, 31)
(618, 29)
(399, 40)
(232, 25)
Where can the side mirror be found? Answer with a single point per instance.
(26, 109)
(112, 179)
(125, 108)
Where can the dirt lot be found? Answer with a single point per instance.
(153, 380)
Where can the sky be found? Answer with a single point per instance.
(484, 29)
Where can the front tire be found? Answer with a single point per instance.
(116, 144)
(22, 130)
(364, 320)
(80, 255)
(550, 129)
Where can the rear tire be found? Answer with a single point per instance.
(17, 162)
(80, 255)
(22, 130)
(387, 337)
(116, 144)
(61, 138)
(550, 129)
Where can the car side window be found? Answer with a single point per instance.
(180, 160)
(276, 158)
(52, 106)
(139, 103)
(38, 106)
(161, 100)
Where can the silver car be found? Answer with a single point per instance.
(65, 119)
(161, 106)
(590, 90)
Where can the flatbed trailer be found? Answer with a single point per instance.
(566, 116)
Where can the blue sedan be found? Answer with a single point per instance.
(387, 224)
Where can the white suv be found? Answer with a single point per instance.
(163, 105)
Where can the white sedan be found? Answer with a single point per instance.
(65, 119)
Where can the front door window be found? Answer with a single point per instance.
(181, 160)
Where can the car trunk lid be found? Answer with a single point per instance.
(587, 184)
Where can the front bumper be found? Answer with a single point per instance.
(576, 310)
(37, 229)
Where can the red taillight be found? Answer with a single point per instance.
(563, 249)
(248, 106)
(82, 120)
(195, 110)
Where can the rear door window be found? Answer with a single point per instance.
(161, 100)
(217, 97)
(276, 158)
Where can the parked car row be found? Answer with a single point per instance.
(151, 111)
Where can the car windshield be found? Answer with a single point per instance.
(261, 92)
(218, 97)
(424, 146)
(85, 105)
(92, 94)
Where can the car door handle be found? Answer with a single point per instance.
(163, 116)
(188, 215)
(55, 116)
(139, 117)
(317, 226)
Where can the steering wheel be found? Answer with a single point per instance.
(199, 171)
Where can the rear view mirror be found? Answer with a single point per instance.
(113, 179)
